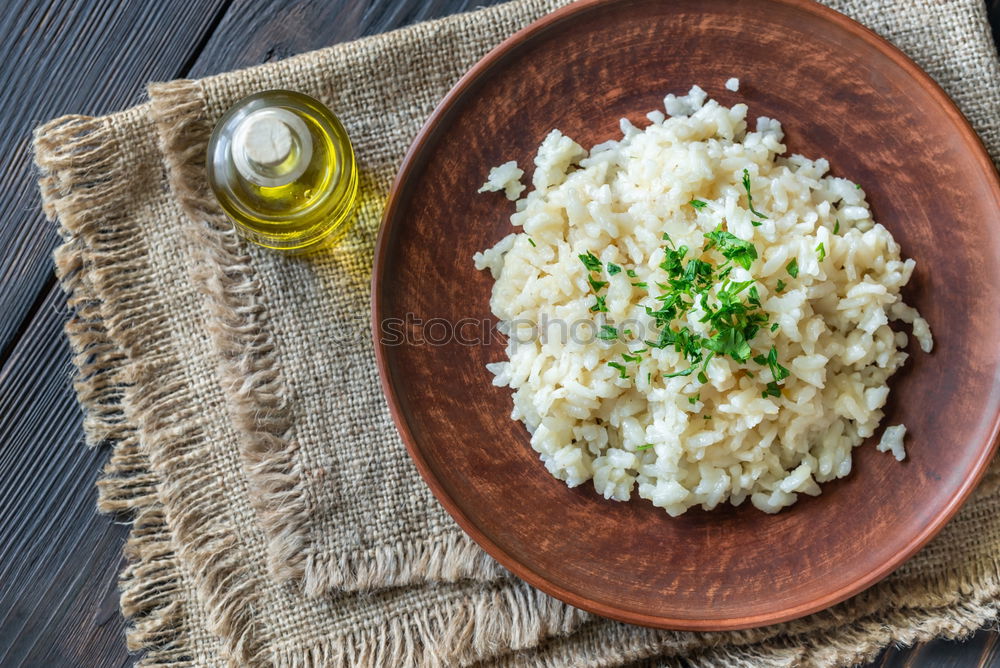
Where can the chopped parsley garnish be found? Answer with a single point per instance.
(773, 390)
(693, 400)
(600, 306)
(746, 186)
(630, 273)
(793, 268)
(698, 204)
(595, 284)
(696, 287)
(613, 269)
(821, 252)
(622, 371)
(836, 225)
(781, 285)
(590, 261)
(532, 242)
(607, 333)
(666, 237)
(640, 284)
(707, 417)
(732, 247)
(858, 186)
(774, 327)
(778, 372)
(645, 446)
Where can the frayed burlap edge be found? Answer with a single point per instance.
(249, 369)
(81, 183)
(88, 183)
(256, 394)
(450, 558)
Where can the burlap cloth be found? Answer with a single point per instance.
(277, 517)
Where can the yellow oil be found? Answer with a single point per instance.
(299, 215)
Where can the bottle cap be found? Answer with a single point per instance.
(271, 147)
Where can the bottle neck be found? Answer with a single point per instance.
(271, 147)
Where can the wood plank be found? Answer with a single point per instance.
(259, 31)
(73, 57)
(993, 14)
(59, 559)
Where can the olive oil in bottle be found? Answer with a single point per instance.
(282, 168)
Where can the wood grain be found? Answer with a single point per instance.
(78, 57)
(58, 558)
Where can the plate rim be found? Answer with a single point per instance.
(389, 222)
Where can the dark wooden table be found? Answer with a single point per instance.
(59, 559)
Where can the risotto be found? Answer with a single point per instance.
(693, 316)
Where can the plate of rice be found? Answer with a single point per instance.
(676, 309)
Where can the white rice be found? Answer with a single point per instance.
(648, 433)
(733, 84)
(892, 441)
(506, 177)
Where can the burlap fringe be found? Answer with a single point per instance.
(125, 377)
(493, 622)
(249, 371)
(452, 558)
(81, 183)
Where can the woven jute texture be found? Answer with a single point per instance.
(277, 517)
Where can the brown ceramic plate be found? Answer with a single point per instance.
(842, 93)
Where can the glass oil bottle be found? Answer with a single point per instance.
(282, 168)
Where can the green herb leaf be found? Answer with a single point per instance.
(702, 378)
(774, 327)
(781, 285)
(596, 285)
(631, 358)
(693, 400)
(821, 252)
(630, 273)
(686, 372)
(779, 372)
(640, 284)
(645, 446)
(532, 242)
(607, 333)
(746, 186)
(793, 268)
(707, 417)
(836, 225)
(622, 370)
(600, 306)
(698, 204)
(590, 261)
(613, 269)
(772, 391)
(732, 247)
